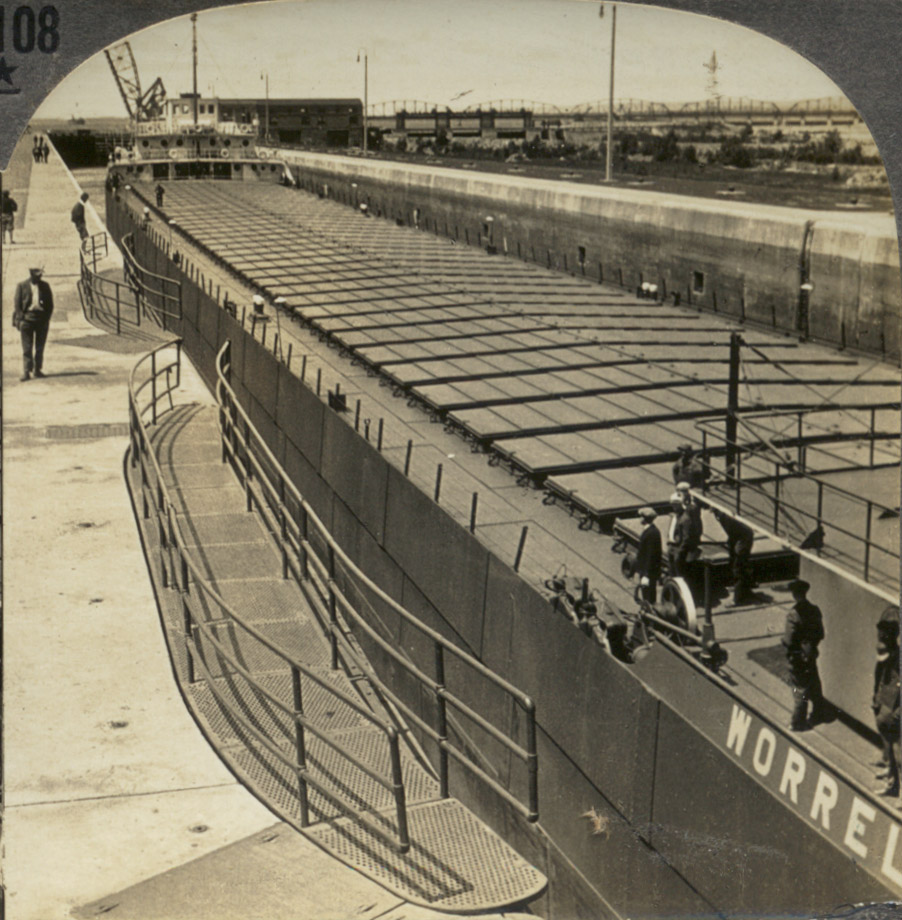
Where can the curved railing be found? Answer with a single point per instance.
(321, 567)
(160, 295)
(182, 574)
(112, 302)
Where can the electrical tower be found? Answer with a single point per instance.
(713, 87)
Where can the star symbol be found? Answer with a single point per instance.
(6, 72)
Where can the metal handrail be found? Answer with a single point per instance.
(189, 573)
(156, 298)
(255, 464)
(783, 470)
(94, 290)
(94, 244)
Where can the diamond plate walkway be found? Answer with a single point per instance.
(455, 863)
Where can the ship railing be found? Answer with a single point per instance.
(158, 295)
(111, 302)
(316, 561)
(94, 247)
(204, 612)
(762, 476)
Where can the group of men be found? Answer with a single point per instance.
(804, 627)
(685, 533)
(40, 151)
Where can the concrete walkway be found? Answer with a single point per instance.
(108, 784)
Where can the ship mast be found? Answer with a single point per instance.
(194, 64)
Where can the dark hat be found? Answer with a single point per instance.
(889, 619)
(684, 448)
(799, 585)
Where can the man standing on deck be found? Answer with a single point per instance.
(32, 309)
(740, 539)
(683, 538)
(78, 216)
(690, 468)
(159, 191)
(8, 208)
(648, 556)
(885, 702)
(804, 632)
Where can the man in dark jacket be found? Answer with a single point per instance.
(690, 468)
(804, 632)
(740, 538)
(8, 208)
(32, 308)
(648, 556)
(683, 538)
(885, 702)
(78, 216)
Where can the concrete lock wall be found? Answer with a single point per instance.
(633, 797)
(738, 259)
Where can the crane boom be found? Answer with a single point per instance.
(140, 106)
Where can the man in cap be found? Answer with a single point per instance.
(689, 468)
(885, 701)
(648, 556)
(32, 308)
(78, 216)
(804, 632)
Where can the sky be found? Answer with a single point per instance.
(448, 52)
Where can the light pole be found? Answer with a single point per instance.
(265, 76)
(365, 93)
(609, 151)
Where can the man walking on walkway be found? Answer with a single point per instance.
(32, 309)
(8, 208)
(78, 216)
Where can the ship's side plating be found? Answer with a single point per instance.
(802, 272)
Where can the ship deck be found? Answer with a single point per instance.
(472, 366)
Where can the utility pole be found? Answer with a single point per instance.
(607, 166)
(194, 62)
(366, 99)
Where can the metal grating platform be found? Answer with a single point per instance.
(441, 868)
(455, 863)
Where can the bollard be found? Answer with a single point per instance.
(438, 483)
(319, 378)
(303, 367)
(407, 458)
(379, 436)
(356, 414)
(473, 505)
